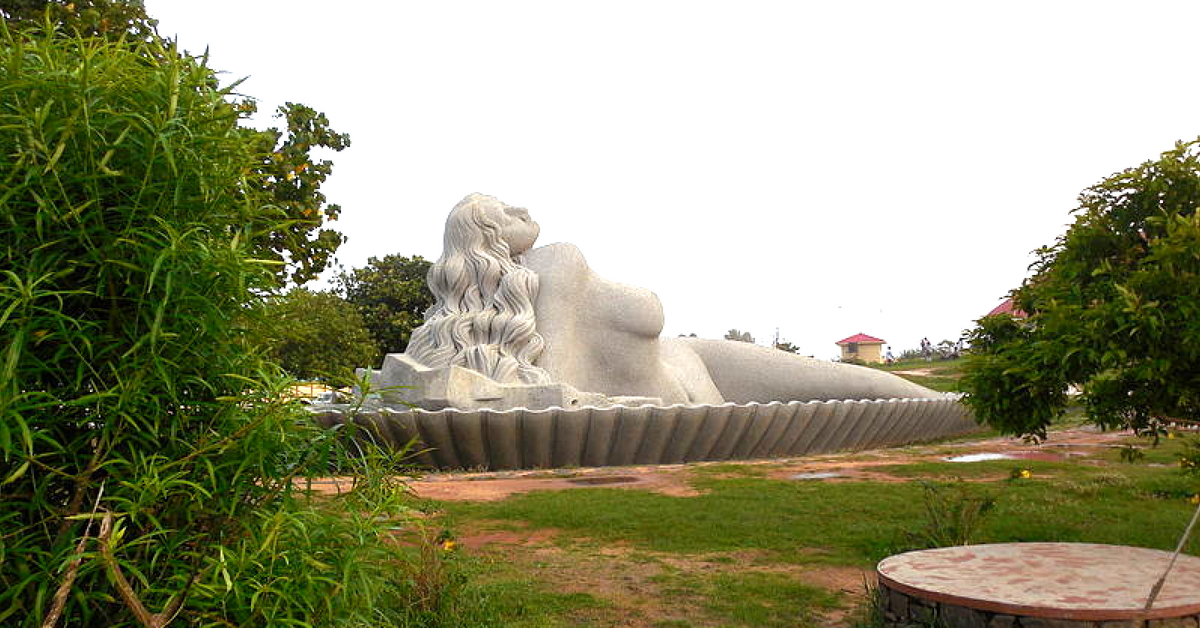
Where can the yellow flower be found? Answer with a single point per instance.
(1170, 435)
(291, 175)
(1026, 474)
(448, 545)
(1195, 499)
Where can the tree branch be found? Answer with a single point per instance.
(114, 571)
(81, 485)
(60, 595)
(144, 616)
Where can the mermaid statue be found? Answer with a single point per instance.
(518, 326)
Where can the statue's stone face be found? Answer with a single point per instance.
(519, 231)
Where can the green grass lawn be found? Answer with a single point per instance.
(940, 375)
(739, 552)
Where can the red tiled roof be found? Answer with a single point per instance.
(1008, 308)
(860, 338)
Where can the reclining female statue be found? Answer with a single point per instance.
(524, 315)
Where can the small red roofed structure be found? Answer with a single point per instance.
(1008, 307)
(862, 347)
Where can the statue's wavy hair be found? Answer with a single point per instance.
(482, 317)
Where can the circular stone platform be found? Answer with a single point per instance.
(1039, 585)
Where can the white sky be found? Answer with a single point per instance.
(824, 168)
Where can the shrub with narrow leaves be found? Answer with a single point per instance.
(150, 471)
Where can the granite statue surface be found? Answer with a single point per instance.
(529, 359)
(518, 326)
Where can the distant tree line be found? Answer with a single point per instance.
(370, 311)
(739, 336)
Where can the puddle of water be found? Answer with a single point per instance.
(1013, 455)
(818, 475)
(979, 457)
(608, 479)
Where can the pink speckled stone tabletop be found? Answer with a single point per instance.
(1054, 580)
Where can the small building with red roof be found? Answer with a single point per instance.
(1008, 307)
(862, 347)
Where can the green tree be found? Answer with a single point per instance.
(293, 234)
(740, 336)
(1114, 307)
(150, 472)
(316, 335)
(391, 296)
(90, 18)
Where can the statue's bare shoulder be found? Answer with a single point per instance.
(558, 260)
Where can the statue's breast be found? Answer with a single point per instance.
(629, 308)
(566, 281)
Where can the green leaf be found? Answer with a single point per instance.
(16, 474)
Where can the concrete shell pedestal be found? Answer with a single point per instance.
(620, 435)
(1038, 585)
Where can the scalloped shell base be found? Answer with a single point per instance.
(626, 435)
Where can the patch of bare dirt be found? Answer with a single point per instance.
(674, 480)
(846, 580)
(924, 372)
(493, 486)
(632, 597)
(642, 589)
(493, 538)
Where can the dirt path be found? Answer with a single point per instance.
(673, 479)
(923, 372)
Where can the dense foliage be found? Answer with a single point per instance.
(150, 472)
(293, 232)
(391, 296)
(784, 345)
(317, 335)
(740, 336)
(291, 227)
(1114, 308)
(115, 19)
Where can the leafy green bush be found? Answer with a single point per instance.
(149, 469)
(1112, 308)
(391, 296)
(1189, 460)
(114, 19)
(316, 335)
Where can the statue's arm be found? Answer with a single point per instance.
(689, 371)
(564, 281)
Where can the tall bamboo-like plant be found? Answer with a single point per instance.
(150, 472)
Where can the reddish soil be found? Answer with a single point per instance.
(498, 485)
(525, 538)
(920, 371)
(637, 584)
(673, 479)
